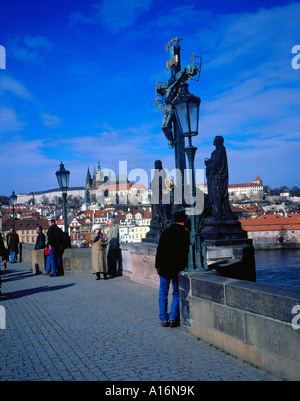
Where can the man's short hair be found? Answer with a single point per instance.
(180, 216)
(52, 221)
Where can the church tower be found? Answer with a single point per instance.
(98, 179)
(88, 181)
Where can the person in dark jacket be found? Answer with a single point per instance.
(4, 253)
(13, 245)
(55, 245)
(171, 259)
(41, 239)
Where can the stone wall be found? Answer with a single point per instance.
(249, 320)
(138, 263)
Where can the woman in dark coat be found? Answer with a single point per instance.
(13, 242)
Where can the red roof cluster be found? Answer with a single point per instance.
(272, 222)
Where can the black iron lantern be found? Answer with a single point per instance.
(13, 198)
(186, 108)
(63, 176)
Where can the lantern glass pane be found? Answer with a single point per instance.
(13, 199)
(183, 117)
(193, 111)
(59, 180)
(63, 177)
(66, 179)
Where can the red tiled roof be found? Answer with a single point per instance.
(272, 222)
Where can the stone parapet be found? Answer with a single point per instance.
(251, 321)
(138, 262)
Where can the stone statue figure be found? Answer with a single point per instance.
(161, 203)
(217, 182)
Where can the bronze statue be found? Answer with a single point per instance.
(161, 203)
(169, 91)
(217, 181)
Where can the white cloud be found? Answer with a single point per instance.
(77, 17)
(50, 120)
(9, 120)
(14, 86)
(113, 15)
(37, 42)
(30, 48)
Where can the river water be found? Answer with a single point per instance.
(280, 268)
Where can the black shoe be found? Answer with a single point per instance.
(174, 323)
(165, 324)
(52, 275)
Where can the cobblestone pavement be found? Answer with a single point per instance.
(76, 328)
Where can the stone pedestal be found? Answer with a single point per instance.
(153, 235)
(38, 261)
(229, 251)
(138, 263)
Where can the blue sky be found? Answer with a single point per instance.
(79, 86)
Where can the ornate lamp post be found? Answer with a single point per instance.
(0, 216)
(186, 108)
(13, 200)
(63, 177)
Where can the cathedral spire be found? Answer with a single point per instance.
(88, 181)
(98, 167)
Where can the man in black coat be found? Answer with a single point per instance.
(41, 239)
(55, 244)
(4, 253)
(171, 259)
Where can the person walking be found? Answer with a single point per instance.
(98, 243)
(113, 248)
(55, 244)
(13, 245)
(171, 259)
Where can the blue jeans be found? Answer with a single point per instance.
(12, 256)
(163, 300)
(47, 268)
(55, 260)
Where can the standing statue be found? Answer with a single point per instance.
(217, 182)
(161, 203)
